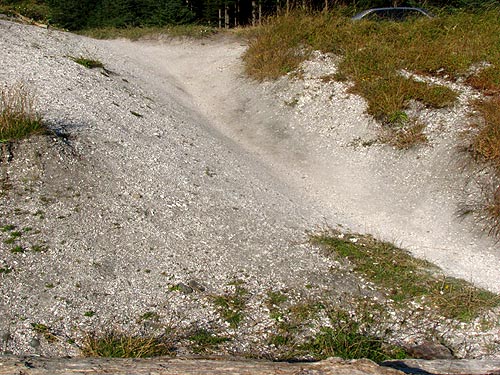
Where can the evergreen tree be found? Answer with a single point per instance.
(71, 14)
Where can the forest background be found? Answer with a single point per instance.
(87, 14)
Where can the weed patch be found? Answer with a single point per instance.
(38, 248)
(44, 330)
(17, 249)
(408, 279)
(203, 341)
(7, 228)
(150, 315)
(5, 270)
(492, 209)
(348, 335)
(231, 305)
(18, 118)
(486, 144)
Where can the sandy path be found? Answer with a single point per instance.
(409, 198)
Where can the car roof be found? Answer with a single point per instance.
(371, 10)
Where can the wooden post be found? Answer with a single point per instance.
(220, 18)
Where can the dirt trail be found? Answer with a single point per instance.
(310, 134)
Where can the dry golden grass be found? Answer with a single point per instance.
(117, 345)
(407, 136)
(18, 117)
(374, 53)
(486, 143)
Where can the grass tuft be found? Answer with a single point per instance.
(406, 135)
(88, 63)
(117, 345)
(18, 118)
(348, 335)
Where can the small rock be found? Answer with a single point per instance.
(430, 350)
(195, 285)
(184, 288)
(35, 343)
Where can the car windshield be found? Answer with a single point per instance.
(391, 14)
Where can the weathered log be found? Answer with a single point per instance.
(169, 366)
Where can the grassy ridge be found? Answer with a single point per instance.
(407, 279)
(375, 52)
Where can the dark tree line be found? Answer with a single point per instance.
(81, 14)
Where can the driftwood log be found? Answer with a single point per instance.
(168, 366)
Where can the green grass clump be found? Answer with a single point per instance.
(7, 228)
(347, 335)
(17, 249)
(117, 345)
(350, 339)
(408, 279)
(18, 118)
(5, 270)
(87, 62)
(44, 330)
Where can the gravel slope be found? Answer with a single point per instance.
(174, 169)
(310, 133)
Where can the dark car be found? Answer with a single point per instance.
(391, 14)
